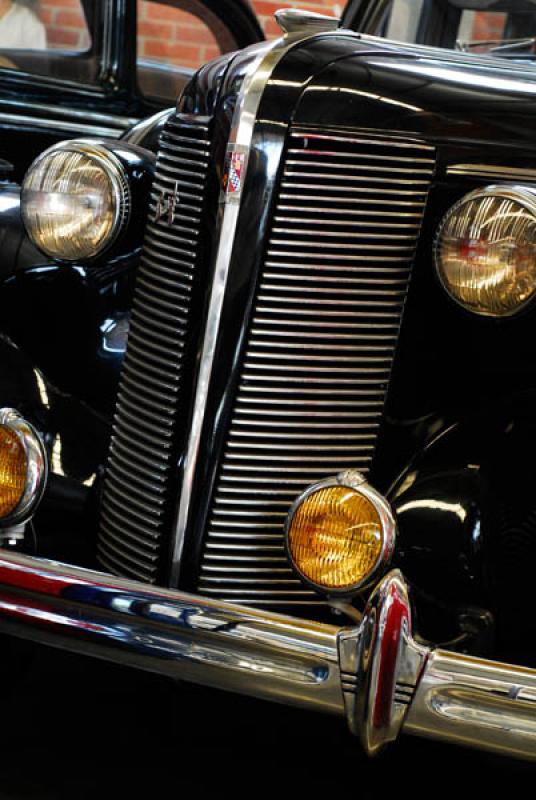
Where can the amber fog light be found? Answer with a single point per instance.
(340, 534)
(485, 251)
(23, 468)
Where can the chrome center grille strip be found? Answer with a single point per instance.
(320, 347)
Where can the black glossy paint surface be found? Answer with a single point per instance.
(458, 425)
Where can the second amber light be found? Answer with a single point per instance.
(13, 470)
(335, 538)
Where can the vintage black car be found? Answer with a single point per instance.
(268, 369)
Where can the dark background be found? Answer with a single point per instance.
(74, 727)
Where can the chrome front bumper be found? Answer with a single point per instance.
(374, 674)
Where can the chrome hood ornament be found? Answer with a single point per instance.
(294, 20)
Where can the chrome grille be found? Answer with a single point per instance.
(148, 425)
(320, 347)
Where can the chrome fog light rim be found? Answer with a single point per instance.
(352, 479)
(37, 467)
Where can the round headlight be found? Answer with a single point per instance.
(340, 534)
(75, 200)
(485, 250)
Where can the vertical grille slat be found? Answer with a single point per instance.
(147, 424)
(320, 347)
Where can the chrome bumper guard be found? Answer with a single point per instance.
(374, 674)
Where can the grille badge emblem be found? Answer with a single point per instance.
(234, 173)
(166, 204)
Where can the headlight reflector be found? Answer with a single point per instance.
(75, 200)
(485, 250)
(339, 534)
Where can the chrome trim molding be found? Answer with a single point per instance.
(36, 469)
(138, 132)
(263, 59)
(86, 116)
(492, 171)
(60, 125)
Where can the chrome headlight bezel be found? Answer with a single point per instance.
(36, 470)
(119, 186)
(524, 196)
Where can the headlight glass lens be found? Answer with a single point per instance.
(13, 470)
(486, 251)
(71, 204)
(335, 538)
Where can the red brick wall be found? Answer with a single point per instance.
(488, 26)
(171, 35)
(65, 24)
(167, 34)
(174, 36)
(164, 33)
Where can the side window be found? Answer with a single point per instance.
(65, 25)
(403, 20)
(173, 39)
(34, 34)
(461, 24)
(482, 26)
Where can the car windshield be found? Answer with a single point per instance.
(504, 27)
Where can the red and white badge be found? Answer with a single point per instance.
(234, 173)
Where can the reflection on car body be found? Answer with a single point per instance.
(324, 255)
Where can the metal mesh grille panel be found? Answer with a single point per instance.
(148, 416)
(319, 350)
